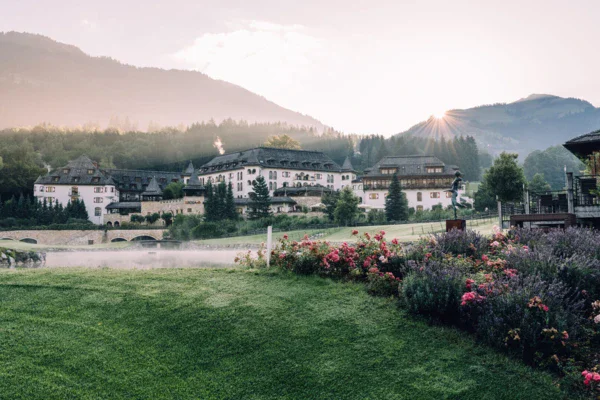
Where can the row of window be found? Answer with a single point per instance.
(432, 195)
(429, 170)
(74, 189)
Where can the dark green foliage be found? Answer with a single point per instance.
(346, 208)
(484, 197)
(29, 212)
(167, 217)
(396, 204)
(505, 178)
(137, 218)
(538, 184)
(551, 163)
(218, 203)
(152, 218)
(330, 201)
(260, 201)
(174, 190)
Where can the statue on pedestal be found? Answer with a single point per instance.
(454, 190)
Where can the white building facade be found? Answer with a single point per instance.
(424, 180)
(279, 167)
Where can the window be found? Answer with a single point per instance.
(373, 196)
(270, 175)
(270, 185)
(189, 210)
(274, 174)
(49, 189)
(319, 176)
(419, 208)
(274, 185)
(97, 211)
(434, 195)
(112, 189)
(50, 199)
(448, 195)
(285, 174)
(90, 171)
(98, 189)
(75, 179)
(388, 171)
(419, 196)
(98, 199)
(55, 178)
(66, 171)
(434, 170)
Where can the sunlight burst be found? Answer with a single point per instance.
(439, 115)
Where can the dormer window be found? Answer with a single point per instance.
(66, 171)
(95, 179)
(90, 171)
(55, 178)
(75, 179)
(435, 170)
(388, 171)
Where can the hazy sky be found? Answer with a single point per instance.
(359, 66)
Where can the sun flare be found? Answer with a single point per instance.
(439, 115)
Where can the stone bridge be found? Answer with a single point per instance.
(79, 238)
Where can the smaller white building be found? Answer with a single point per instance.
(423, 178)
(80, 179)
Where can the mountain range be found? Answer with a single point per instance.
(534, 122)
(42, 80)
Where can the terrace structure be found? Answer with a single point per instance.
(577, 204)
(423, 179)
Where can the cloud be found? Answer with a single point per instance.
(264, 57)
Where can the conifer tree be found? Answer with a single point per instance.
(260, 201)
(347, 207)
(396, 204)
(209, 204)
(230, 203)
(220, 199)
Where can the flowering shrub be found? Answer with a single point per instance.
(382, 283)
(434, 289)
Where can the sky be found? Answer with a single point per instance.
(358, 66)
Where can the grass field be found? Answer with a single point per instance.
(233, 334)
(403, 232)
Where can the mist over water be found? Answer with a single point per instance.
(142, 259)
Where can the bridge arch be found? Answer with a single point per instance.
(118, 239)
(29, 240)
(7, 238)
(143, 237)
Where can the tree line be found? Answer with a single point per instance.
(26, 211)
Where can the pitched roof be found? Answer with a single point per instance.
(271, 158)
(194, 183)
(131, 180)
(584, 145)
(81, 171)
(124, 205)
(152, 189)
(189, 170)
(410, 166)
(347, 166)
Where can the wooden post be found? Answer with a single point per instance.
(269, 241)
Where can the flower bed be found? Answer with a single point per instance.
(533, 294)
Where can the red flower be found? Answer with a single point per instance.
(285, 237)
(394, 241)
(354, 232)
(484, 258)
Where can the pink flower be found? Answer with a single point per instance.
(526, 248)
(367, 236)
(565, 335)
(394, 241)
(584, 373)
(484, 258)
(469, 283)
(354, 232)
(596, 377)
(494, 244)
(285, 237)
(545, 307)
(382, 233)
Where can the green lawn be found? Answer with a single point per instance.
(233, 334)
(403, 232)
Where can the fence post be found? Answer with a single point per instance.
(570, 207)
(269, 238)
(500, 225)
(526, 193)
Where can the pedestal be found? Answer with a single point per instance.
(459, 224)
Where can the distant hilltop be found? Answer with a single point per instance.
(42, 80)
(534, 122)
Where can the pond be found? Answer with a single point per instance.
(142, 259)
